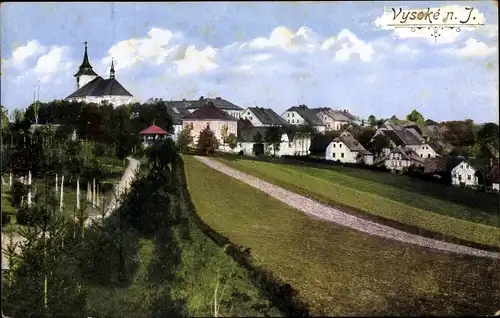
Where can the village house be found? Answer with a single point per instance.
(333, 119)
(261, 117)
(494, 177)
(91, 88)
(441, 167)
(193, 105)
(407, 138)
(464, 174)
(252, 142)
(213, 117)
(347, 149)
(151, 134)
(303, 116)
(400, 158)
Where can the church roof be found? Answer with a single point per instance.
(85, 67)
(101, 87)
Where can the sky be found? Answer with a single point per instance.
(341, 55)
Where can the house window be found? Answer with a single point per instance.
(421, 155)
(250, 117)
(333, 155)
(428, 155)
(468, 177)
(460, 177)
(340, 145)
(293, 114)
(341, 155)
(333, 145)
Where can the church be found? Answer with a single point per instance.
(91, 88)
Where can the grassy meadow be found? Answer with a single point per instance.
(396, 198)
(339, 271)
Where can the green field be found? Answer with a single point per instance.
(390, 200)
(177, 268)
(340, 271)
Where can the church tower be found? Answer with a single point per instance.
(112, 70)
(85, 73)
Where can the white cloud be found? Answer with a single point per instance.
(21, 54)
(350, 45)
(55, 63)
(284, 44)
(195, 61)
(152, 49)
(284, 38)
(472, 48)
(445, 35)
(407, 50)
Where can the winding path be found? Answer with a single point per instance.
(123, 185)
(325, 212)
(121, 188)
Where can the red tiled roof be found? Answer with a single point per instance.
(153, 130)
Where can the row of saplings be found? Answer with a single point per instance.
(24, 191)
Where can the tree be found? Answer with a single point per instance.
(488, 134)
(380, 122)
(460, 133)
(273, 137)
(415, 117)
(207, 142)
(160, 154)
(184, 139)
(224, 133)
(232, 141)
(5, 120)
(394, 117)
(372, 120)
(365, 136)
(378, 144)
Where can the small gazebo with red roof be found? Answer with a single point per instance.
(151, 134)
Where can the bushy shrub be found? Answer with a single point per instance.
(6, 218)
(99, 150)
(17, 191)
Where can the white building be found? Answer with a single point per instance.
(303, 116)
(252, 141)
(91, 88)
(347, 149)
(333, 120)
(400, 158)
(408, 138)
(464, 174)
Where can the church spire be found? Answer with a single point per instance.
(112, 70)
(85, 68)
